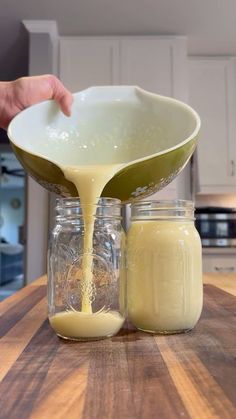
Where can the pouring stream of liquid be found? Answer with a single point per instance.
(90, 182)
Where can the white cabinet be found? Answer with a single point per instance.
(212, 92)
(156, 63)
(88, 61)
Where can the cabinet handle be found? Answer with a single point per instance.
(226, 269)
(232, 172)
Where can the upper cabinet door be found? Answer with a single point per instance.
(89, 61)
(212, 92)
(157, 64)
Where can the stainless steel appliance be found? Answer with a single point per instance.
(216, 226)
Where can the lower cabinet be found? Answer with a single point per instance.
(221, 263)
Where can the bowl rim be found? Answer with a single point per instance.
(152, 95)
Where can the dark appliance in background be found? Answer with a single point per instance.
(216, 226)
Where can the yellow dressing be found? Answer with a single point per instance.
(90, 182)
(164, 275)
(83, 325)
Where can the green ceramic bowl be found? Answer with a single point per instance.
(153, 136)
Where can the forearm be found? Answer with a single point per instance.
(5, 103)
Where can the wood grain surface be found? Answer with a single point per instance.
(132, 375)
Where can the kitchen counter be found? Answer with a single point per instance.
(133, 375)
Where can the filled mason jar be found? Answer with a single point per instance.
(164, 267)
(87, 286)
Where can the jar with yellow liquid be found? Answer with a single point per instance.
(86, 270)
(164, 261)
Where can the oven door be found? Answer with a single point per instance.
(217, 229)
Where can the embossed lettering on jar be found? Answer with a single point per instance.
(164, 277)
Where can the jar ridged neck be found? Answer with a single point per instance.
(70, 209)
(163, 210)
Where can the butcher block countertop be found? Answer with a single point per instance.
(133, 375)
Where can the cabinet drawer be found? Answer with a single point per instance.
(219, 264)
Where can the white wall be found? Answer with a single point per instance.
(13, 218)
(209, 24)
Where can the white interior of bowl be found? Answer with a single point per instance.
(112, 124)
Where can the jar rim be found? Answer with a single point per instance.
(68, 209)
(69, 202)
(164, 204)
(163, 209)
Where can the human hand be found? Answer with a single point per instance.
(26, 91)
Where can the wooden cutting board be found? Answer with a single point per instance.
(133, 375)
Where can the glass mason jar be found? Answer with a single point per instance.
(164, 267)
(86, 290)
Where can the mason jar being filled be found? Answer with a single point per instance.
(164, 262)
(86, 272)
